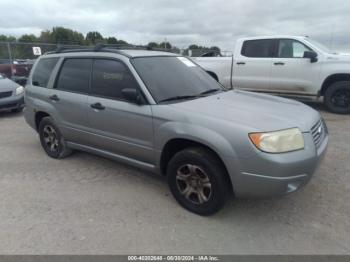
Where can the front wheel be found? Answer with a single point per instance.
(337, 97)
(198, 181)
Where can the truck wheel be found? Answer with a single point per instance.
(337, 97)
(51, 139)
(197, 181)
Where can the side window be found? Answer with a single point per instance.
(43, 71)
(75, 75)
(258, 48)
(110, 77)
(288, 48)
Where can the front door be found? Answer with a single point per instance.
(118, 126)
(291, 72)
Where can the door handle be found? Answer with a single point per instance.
(54, 98)
(97, 106)
(240, 63)
(278, 63)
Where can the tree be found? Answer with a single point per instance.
(122, 42)
(28, 38)
(61, 35)
(165, 45)
(153, 45)
(193, 46)
(112, 40)
(93, 38)
(4, 38)
(215, 48)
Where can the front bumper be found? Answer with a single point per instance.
(266, 175)
(12, 102)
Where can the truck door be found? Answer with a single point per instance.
(291, 72)
(252, 65)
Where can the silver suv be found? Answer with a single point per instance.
(163, 113)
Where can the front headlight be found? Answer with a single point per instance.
(19, 90)
(279, 141)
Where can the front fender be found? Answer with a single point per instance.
(202, 135)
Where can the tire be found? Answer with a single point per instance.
(17, 110)
(182, 171)
(337, 97)
(51, 139)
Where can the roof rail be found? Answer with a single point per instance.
(73, 49)
(100, 47)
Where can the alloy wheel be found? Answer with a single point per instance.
(50, 138)
(194, 184)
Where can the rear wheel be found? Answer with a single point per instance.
(198, 181)
(337, 97)
(51, 139)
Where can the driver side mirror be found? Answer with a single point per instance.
(132, 95)
(312, 55)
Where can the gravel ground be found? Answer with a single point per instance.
(89, 205)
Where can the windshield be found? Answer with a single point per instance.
(174, 78)
(319, 45)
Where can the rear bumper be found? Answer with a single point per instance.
(266, 175)
(12, 102)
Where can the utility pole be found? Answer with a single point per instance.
(10, 56)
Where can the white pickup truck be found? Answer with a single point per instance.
(285, 65)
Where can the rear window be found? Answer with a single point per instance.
(43, 71)
(258, 48)
(75, 75)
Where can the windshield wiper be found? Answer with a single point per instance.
(173, 98)
(210, 91)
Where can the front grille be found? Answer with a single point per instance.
(5, 94)
(319, 132)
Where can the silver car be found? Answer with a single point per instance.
(11, 95)
(165, 114)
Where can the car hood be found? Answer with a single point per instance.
(339, 57)
(258, 112)
(7, 85)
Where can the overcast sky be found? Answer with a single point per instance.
(183, 22)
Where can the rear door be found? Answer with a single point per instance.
(252, 65)
(291, 72)
(69, 99)
(118, 126)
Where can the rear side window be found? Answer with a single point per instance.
(110, 77)
(258, 48)
(43, 71)
(75, 75)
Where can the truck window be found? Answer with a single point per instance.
(75, 75)
(43, 71)
(289, 48)
(258, 48)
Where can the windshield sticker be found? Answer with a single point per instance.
(186, 61)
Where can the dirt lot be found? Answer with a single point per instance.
(87, 204)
